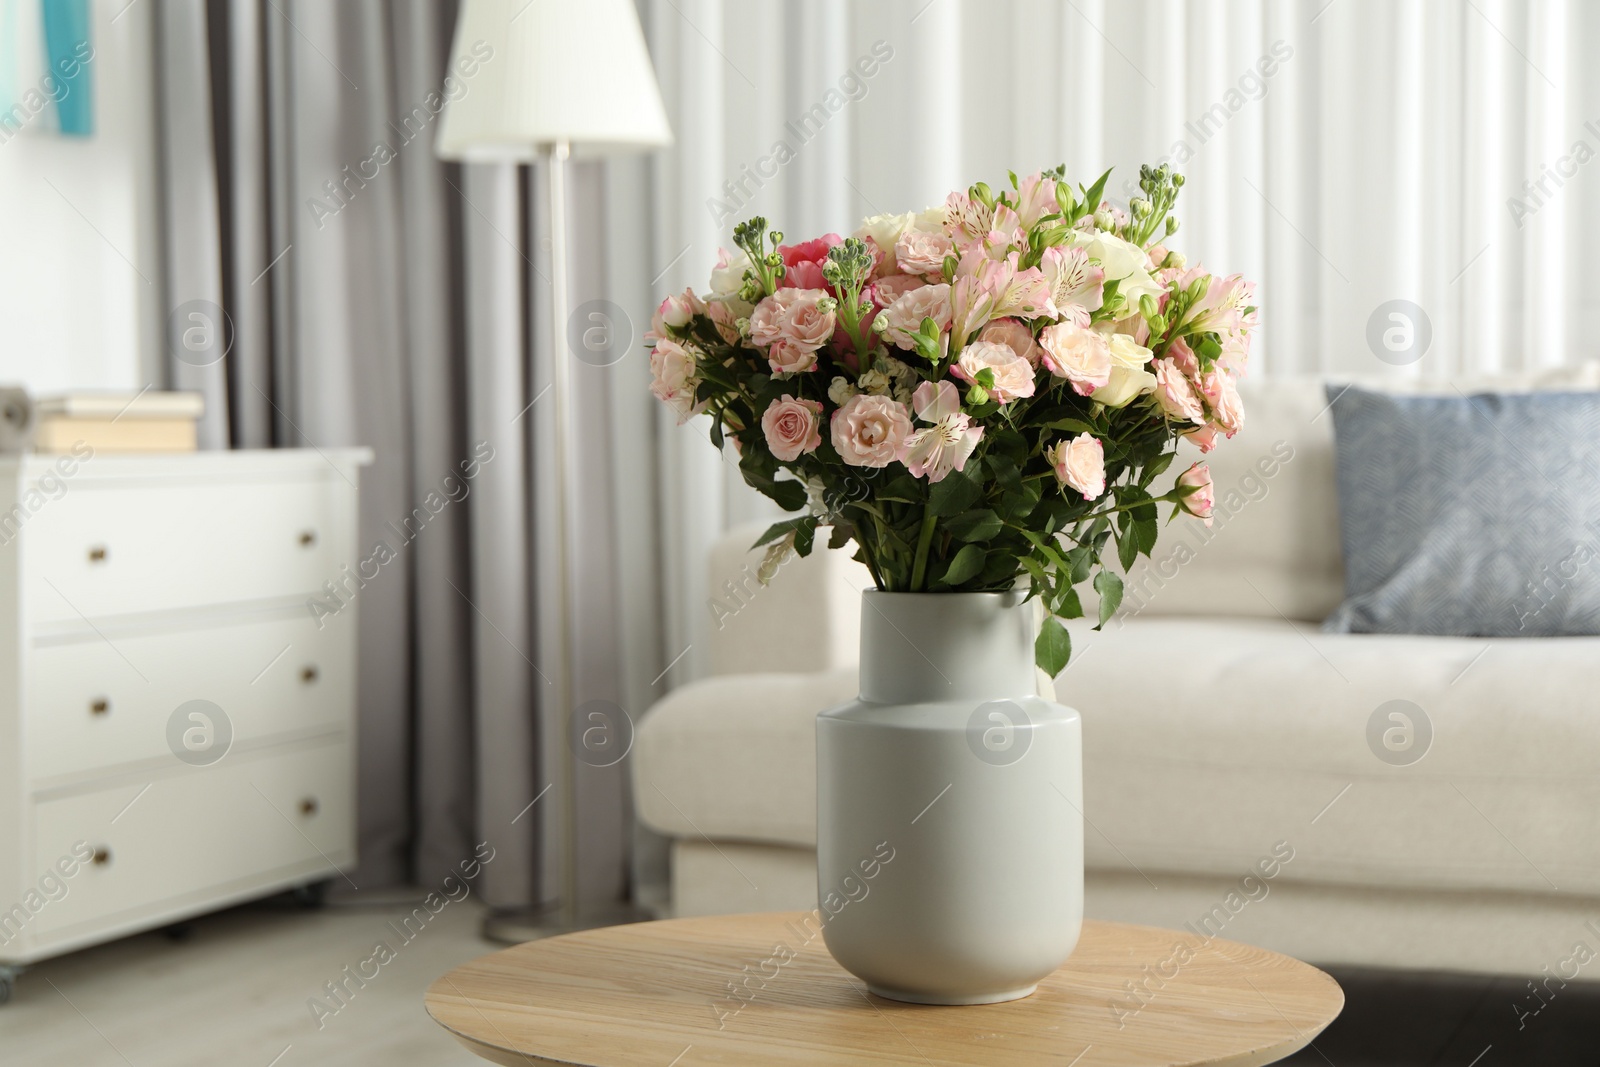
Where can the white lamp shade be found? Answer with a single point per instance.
(534, 72)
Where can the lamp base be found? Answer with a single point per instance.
(516, 926)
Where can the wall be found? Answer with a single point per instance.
(79, 271)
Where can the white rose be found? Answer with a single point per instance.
(840, 390)
(1128, 353)
(885, 230)
(1117, 257)
(931, 219)
(728, 275)
(1125, 385)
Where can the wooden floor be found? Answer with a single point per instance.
(235, 992)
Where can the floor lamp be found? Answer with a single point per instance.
(548, 79)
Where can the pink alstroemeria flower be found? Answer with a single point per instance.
(946, 445)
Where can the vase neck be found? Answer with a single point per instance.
(928, 647)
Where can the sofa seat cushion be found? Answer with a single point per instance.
(735, 757)
(1255, 732)
(1208, 741)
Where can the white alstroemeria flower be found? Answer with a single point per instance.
(947, 444)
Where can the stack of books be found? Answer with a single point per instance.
(118, 422)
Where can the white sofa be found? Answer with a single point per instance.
(1220, 727)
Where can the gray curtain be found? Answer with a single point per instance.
(379, 297)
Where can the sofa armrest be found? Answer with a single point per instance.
(736, 757)
(808, 618)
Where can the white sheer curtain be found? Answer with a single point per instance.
(1342, 152)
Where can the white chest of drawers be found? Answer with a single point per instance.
(132, 587)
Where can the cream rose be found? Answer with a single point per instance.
(673, 381)
(1015, 336)
(1081, 356)
(1080, 463)
(1013, 377)
(920, 252)
(885, 230)
(790, 427)
(869, 431)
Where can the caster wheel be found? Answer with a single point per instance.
(8, 983)
(312, 895)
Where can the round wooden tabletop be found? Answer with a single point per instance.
(752, 990)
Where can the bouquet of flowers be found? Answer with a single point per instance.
(979, 394)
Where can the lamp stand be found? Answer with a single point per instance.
(517, 925)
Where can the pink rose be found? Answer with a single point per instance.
(794, 317)
(785, 357)
(870, 431)
(920, 252)
(1015, 336)
(891, 287)
(1080, 463)
(1081, 356)
(1184, 358)
(790, 426)
(1013, 377)
(904, 316)
(1202, 501)
(1175, 395)
(804, 262)
(673, 381)
(1204, 438)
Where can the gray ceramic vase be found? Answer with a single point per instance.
(949, 805)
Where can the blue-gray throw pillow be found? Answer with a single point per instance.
(1469, 516)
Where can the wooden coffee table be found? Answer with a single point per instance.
(721, 990)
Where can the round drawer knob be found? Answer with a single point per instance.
(97, 554)
(308, 806)
(308, 673)
(99, 706)
(308, 538)
(101, 857)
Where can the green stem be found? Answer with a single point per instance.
(920, 566)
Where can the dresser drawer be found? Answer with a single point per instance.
(113, 549)
(196, 832)
(96, 703)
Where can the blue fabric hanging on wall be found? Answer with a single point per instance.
(66, 42)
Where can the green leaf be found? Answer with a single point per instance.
(977, 525)
(840, 535)
(1091, 199)
(1109, 586)
(1145, 530)
(777, 530)
(955, 494)
(968, 562)
(1082, 561)
(1073, 425)
(805, 534)
(905, 489)
(1020, 503)
(1067, 604)
(1127, 548)
(1052, 648)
